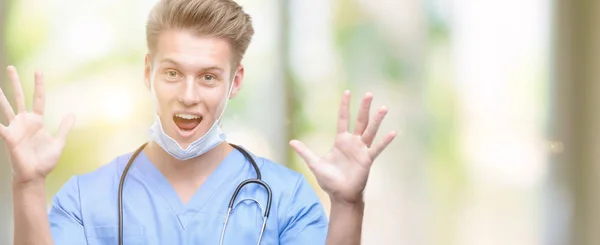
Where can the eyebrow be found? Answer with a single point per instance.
(211, 68)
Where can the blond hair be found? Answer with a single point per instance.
(217, 18)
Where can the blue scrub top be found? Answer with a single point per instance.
(85, 211)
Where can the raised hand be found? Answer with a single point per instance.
(343, 172)
(33, 151)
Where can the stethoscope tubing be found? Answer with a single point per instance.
(258, 180)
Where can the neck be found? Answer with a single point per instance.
(192, 170)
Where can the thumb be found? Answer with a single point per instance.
(308, 155)
(65, 126)
(4, 134)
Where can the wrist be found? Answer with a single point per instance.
(36, 183)
(356, 203)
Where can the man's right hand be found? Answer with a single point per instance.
(33, 151)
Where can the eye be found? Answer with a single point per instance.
(172, 74)
(209, 78)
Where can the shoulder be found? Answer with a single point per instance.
(285, 181)
(82, 189)
(278, 172)
(105, 175)
(300, 212)
(293, 188)
(97, 183)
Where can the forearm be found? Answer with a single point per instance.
(30, 216)
(345, 224)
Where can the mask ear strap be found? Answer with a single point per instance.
(226, 99)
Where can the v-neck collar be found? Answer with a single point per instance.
(230, 165)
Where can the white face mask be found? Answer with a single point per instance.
(213, 137)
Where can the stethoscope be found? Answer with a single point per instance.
(257, 180)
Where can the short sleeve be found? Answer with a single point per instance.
(306, 219)
(66, 224)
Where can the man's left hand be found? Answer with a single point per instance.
(343, 172)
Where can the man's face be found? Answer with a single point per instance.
(190, 76)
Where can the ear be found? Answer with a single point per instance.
(237, 81)
(147, 71)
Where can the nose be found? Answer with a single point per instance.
(191, 94)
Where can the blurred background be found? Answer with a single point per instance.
(494, 102)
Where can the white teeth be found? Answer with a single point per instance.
(187, 116)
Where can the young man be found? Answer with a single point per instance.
(178, 188)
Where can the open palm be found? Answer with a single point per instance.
(32, 150)
(344, 170)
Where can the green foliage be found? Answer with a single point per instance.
(26, 32)
(364, 50)
(300, 123)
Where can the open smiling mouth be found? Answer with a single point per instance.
(187, 122)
